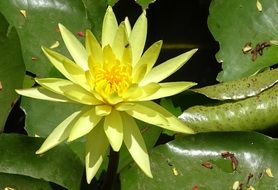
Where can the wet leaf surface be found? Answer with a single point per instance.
(241, 88)
(20, 158)
(234, 24)
(179, 162)
(254, 113)
(12, 69)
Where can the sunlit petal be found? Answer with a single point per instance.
(96, 150)
(120, 41)
(139, 93)
(135, 144)
(86, 121)
(138, 37)
(42, 94)
(109, 27)
(153, 113)
(167, 68)
(147, 114)
(75, 48)
(68, 68)
(150, 56)
(59, 134)
(174, 123)
(68, 89)
(127, 26)
(113, 127)
(103, 110)
(93, 47)
(139, 73)
(169, 89)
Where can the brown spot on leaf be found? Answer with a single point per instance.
(195, 187)
(232, 157)
(1, 87)
(207, 164)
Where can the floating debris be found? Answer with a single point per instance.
(273, 42)
(175, 171)
(259, 6)
(232, 157)
(269, 172)
(207, 164)
(247, 47)
(23, 13)
(236, 185)
(9, 188)
(250, 188)
(55, 45)
(195, 187)
(34, 58)
(81, 34)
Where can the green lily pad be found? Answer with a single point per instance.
(39, 27)
(241, 88)
(196, 161)
(254, 113)
(150, 134)
(236, 23)
(95, 10)
(59, 165)
(144, 3)
(14, 182)
(11, 69)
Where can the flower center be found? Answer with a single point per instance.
(111, 77)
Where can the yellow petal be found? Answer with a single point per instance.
(136, 144)
(169, 89)
(103, 110)
(68, 89)
(139, 93)
(59, 134)
(150, 56)
(153, 113)
(127, 26)
(76, 49)
(167, 68)
(42, 94)
(120, 41)
(109, 27)
(96, 150)
(147, 114)
(138, 37)
(139, 73)
(113, 127)
(86, 121)
(68, 68)
(93, 48)
(124, 106)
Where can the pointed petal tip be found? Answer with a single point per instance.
(40, 151)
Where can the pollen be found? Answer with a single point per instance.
(111, 77)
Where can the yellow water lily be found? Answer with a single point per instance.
(116, 82)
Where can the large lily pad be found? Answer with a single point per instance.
(241, 88)
(11, 69)
(13, 182)
(236, 23)
(18, 157)
(195, 162)
(39, 27)
(254, 113)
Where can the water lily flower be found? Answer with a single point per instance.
(116, 82)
